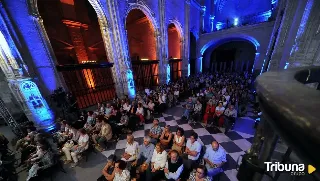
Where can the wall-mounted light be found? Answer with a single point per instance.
(89, 61)
(144, 59)
(236, 21)
(175, 58)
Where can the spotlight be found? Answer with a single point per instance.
(236, 21)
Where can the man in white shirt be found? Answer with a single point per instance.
(131, 151)
(174, 166)
(193, 149)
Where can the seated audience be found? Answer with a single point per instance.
(158, 162)
(104, 135)
(83, 144)
(120, 173)
(140, 113)
(166, 137)
(44, 162)
(230, 117)
(178, 141)
(189, 109)
(144, 156)
(215, 158)
(193, 149)
(126, 106)
(131, 151)
(197, 111)
(174, 166)
(155, 131)
(108, 169)
(210, 110)
(199, 174)
(26, 139)
(218, 113)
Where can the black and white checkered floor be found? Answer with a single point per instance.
(236, 142)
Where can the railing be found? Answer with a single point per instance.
(89, 83)
(175, 69)
(290, 111)
(246, 20)
(145, 73)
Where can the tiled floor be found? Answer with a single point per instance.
(236, 142)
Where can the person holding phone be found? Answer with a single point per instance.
(215, 158)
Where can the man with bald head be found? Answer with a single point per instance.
(214, 158)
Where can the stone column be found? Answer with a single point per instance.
(32, 103)
(307, 43)
(215, 66)
(163, 54)
(242, 65)
(186, 61)
(212, 23)
(203, 13)
(282, 31)
(120, 52)
(231, 66)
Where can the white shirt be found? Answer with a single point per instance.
(159, 159)
(132, 149)
(140, 110)
(126, 107)
(196, 146)
(178, 139)
(124, 176)
(227, 97)
(220, 109)
(232, 113)
(151, 105)
(83, 139)
(176, 93)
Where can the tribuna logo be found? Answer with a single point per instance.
(295, 169)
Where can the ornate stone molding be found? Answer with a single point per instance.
(141, 5)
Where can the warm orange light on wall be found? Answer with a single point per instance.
(70, 2)
(89, 78)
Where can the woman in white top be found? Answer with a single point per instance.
(178, 140)
(140, 113)
(131, 151)
(126, 106)
(218, 114)
(158, 162)
(120, 173)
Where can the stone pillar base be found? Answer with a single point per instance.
(33, 104)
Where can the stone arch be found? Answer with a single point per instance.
(178, 26)
(219, 41)
(151, 17)
(103, 22)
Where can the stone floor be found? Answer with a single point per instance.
(236, 142)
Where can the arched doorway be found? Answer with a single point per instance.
(232, 56)
(174, 51)
(75, 36)
(192, 54)
(141, 36)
